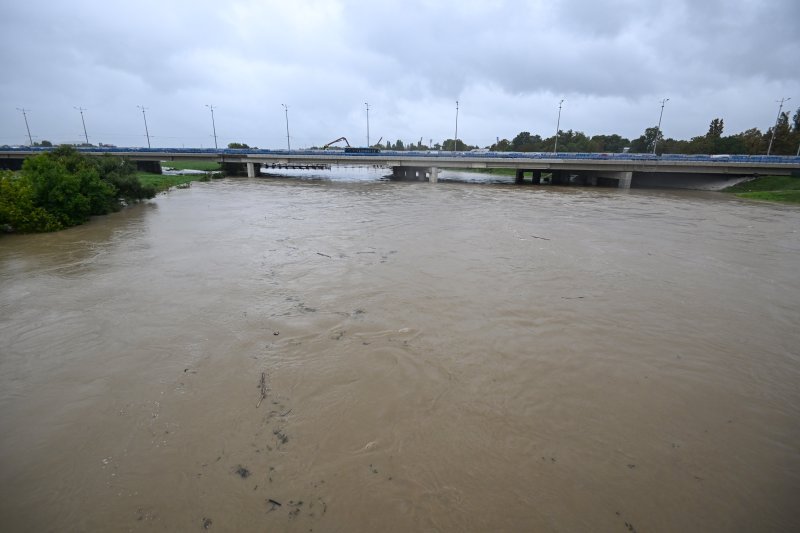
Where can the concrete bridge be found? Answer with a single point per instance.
(620, 170)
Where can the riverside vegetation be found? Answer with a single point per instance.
(63, 188)
(769, 188)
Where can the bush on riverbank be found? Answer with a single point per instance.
(770, 188)
(63, 188)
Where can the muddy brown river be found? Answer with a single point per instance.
(450, 357)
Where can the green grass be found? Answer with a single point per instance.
(208, 166)
(162, 182)
(769, 188)
(789, 197)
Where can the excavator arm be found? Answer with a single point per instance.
(336, 141)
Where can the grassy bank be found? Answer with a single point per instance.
(207, 166)
(769, 188)
(162, 182)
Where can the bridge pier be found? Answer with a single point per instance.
(536, 176)
(416, 173)
(11, 163)
(623, 179)
(153, 167)
(251, 170)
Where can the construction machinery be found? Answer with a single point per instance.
(353, 149)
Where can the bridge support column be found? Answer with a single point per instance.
(519, 177)
(12, 164)
(154, 167)
(536, 177)
(416, 173)
(624, 179)
(251, 170)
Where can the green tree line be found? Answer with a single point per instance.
(752, 142)
(63, 188)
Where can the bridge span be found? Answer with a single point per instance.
(558, 168)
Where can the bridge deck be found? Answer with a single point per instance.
(704, 164)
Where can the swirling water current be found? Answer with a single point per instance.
(435, 357)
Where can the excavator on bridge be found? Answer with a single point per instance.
(353, 149)
(336, 141)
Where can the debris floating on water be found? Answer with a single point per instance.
(262, 384)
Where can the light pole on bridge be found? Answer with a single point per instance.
(558, 125)
(213, 125)
(777, 119)
(83, 122)
(455, 141)
(25, 116)
(366, 104)
(146, 132)
(286, 111)
(658, 128)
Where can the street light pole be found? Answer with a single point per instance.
(213, 125)
(84, 123)
(367, 106)
(558, 125)
(286, 110)
(780, 108)
(455, 141)
(25, 116)
(658, 128)
(146, 132)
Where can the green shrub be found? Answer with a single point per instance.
(63, 188)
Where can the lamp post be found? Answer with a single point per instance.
(658, 128)
(366, 104)
(25, 116)
(558, 126)
(286, 111)
(146, 132)
(780, 108)
(455, 141)
(84, 123)
(213, 125)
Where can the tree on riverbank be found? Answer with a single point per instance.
(63, 188)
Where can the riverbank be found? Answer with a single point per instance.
(198, 171)
(785, 189)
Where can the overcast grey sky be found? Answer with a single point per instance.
(507, 62)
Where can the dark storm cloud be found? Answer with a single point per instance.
(508, 62)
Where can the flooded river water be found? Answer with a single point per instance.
(449, 357)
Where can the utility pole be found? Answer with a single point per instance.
(780, 108)
(658, 128)
(83, 122)
(558, 126)
(146, 132)
(286, 110)
(213, 125)
(25, 116)
(367, 106)
(455, 141)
